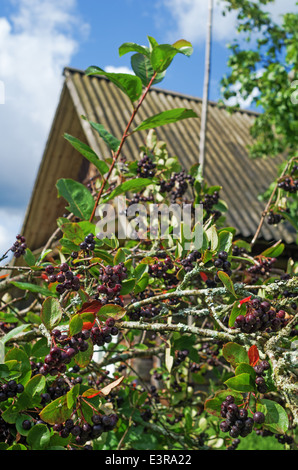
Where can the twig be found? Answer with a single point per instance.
(124, 137)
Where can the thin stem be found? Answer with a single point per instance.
(269, 204)
(124, 137)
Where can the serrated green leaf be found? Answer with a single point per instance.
(75, 325)
(235, 353)
(88, 153)
(112, 142)
(166, 117)
(241, 383)
(32, 288)
(79, 198)
(129, 84)
(130, 185)
(163, 54)
(142, 67)
(51, 312)
(276, 418)
(227, 281)
(133, 47)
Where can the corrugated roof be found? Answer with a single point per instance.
(227, 161)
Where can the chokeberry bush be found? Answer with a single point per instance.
(149, 341)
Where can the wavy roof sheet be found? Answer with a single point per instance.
(227, 162)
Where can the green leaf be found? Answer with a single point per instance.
(88, 153)
(83, 358)
(227, 281)
(72, 395)
(184, 47)
(234, 353)
(51, 313)
(38, 437)
(16, 354)
(56, 412)
(244, 368)
(130, 185)
(225, 239)
(127, 286)
(142, 67)
(129, 84)
(112, 310)
(241, 383)
(112, 142)
(163, 54)
(29, 257)
(276, 418)
(31, 395)
(80, 200)
(212, 237)
(14, 333)
(274, 251)
(75, 325)
(133, 47)
(166, 117)
(142, 283)
(119, 257)
(238, 309)
(32, 288)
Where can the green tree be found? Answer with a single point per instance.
(265, 58)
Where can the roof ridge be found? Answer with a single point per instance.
(169, 92)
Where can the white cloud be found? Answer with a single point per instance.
(37, 41)
(121, 69)
(190, 18)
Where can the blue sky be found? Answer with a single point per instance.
(38, 38)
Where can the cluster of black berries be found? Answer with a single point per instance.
(58, 388)
(83, 431)
(260, 316)
(284, 439)
(19, 246)
(191, 258)
(88, 244)
(260, 370)
(288, 184)
(146, 167)
(238, 250)
(222, 264)
(177, 185)
(234, 444)
(111, 278)
(104, 333)
(10, 389)
(160, 268)
(7, 432)
(56, 361)
(274, 218)
(139, 198)
(208, 201)
(262, 268)
(147, 311)
(236, 421)
(67, 280)
(180, 357)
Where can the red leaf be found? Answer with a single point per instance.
(204, 276)
(91, 307)
(253, 355)
(247, 299)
